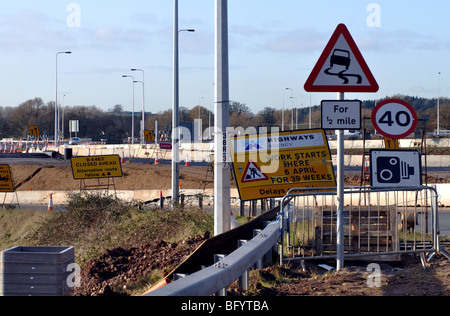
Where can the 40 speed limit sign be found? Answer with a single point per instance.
(394, 119)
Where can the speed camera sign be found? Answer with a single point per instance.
(394, 119)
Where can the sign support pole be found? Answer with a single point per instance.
(340, 196)
(175, 113)
(222, 183)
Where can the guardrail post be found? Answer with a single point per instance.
(244, 278)
(200, 202)
(268, 257)
(259, 263)
(218, 258)
(161, 201)
(182, 197)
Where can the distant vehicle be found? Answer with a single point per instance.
(350, 135)
(75, 141)
(340, 57)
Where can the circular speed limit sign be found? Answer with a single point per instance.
(394, 119)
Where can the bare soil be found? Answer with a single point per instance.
(406, 279)
(119, 268)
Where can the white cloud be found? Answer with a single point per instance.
(297, 41)
(30, 30)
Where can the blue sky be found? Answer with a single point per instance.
(273, 45)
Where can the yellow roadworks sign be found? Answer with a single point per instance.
(6, 183)
(96, 167)
(149, 136)
(269, 165)
(34, 130)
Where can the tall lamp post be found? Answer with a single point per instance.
(292, 112)
(132, 119)
(143, 104)
(438, 133)
(56, 99)
(175, 109)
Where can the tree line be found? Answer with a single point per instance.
(95, 122)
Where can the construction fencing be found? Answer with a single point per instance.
(378, 222)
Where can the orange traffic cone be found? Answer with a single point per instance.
(123, 157)
(156, 160)
(366, 165)
(50, 204)
(187, 160)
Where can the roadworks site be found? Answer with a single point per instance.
(125, 249)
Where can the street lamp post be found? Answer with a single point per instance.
(56, 99)
(142, 136)
(438, 133)
(132, 119)
(175, 109)
(143, 104)
(292, 112)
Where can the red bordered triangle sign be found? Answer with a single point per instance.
(253, 173)
(341, 67)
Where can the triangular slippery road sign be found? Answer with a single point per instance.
(341, 67)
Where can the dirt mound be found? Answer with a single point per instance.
(136, 176)
(120, 268)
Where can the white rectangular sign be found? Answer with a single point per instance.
(341, 115)
(395, 168)
(278, 141)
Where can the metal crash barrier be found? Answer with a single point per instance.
(227, 269)
(378, 223)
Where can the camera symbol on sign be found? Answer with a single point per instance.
(393, 170)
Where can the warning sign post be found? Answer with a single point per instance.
(269, 165)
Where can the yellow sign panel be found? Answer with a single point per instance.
(149, 136)
(391, 143)
(6, 184)
(269, 165)
(96, 167)
(34, 130)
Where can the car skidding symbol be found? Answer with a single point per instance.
(342, 58)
